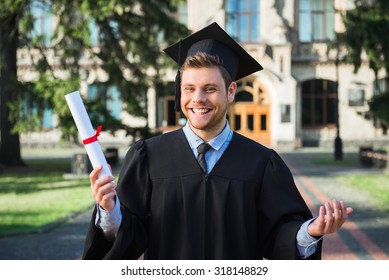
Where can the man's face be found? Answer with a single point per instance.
(204, 100)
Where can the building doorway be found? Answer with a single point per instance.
(249, 115)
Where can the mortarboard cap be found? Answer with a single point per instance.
(213, 40)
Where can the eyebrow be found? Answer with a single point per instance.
(211, 84)
(206, 85)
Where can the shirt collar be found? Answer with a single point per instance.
(216, 143)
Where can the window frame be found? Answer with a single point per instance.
(111, 95)
(316, 9)
(236, 12)
(325, 98)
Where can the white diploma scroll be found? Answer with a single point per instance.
(85, 128)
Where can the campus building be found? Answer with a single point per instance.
(301, 98)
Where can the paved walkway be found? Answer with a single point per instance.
(364, 236)
(62, 243)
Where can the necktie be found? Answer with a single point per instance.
(202, 149)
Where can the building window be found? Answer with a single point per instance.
(244, 96)
(285, 113)
(168, 116)
(35, 111)
(237, 122)
(250, 122)
(171, 114)
(47, 121)
(356, 97)
(97, 35)
(243, 20)
(318, 102)
(381, 86)
(43, 29)
(93, 33)
(111, 98)
(263, 122)
(316, 20)
(183, 13)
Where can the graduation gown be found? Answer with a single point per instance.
(247, 207)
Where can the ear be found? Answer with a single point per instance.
(231, 92)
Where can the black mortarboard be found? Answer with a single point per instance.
(213, 40)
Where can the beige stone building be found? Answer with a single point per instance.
(293, 102)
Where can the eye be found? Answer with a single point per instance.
(187, 88)
(210, 89)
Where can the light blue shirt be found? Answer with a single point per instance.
(109, 221)
(219, 144)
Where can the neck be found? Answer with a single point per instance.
(208, 135)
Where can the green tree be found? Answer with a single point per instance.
(379, 105)
(367, 29)
(130, 37)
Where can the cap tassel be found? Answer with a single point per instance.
(177, 103)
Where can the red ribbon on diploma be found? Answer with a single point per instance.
(94, 137)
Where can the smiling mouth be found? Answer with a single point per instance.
(200, 111)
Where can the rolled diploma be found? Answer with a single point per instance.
(85, 128)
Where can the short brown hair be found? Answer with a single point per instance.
(202, 59)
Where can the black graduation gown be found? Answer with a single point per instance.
(248, 207)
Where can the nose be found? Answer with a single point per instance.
(199, 96)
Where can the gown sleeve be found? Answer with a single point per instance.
(133, 190)
(282, 205)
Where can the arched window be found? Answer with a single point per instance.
(244, 96)
(318, 102)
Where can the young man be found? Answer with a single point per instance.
(243, 204)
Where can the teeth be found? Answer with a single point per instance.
(200, 111)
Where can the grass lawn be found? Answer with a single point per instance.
(33, 197)
(375, 186)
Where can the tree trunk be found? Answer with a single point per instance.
(9, 142)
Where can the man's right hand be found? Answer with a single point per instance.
(103, 189)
